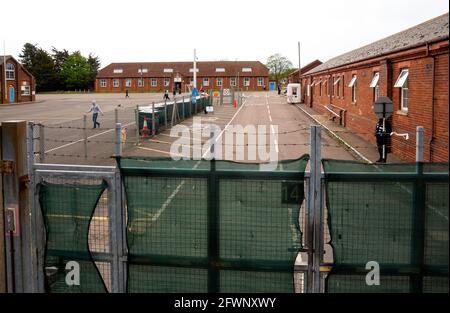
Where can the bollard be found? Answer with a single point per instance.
(137, 124)
(41, 143)
(116, 115)
(165, 113)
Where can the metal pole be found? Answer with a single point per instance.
(85, 136)
(184, 113)
(116, 115)
(137, 124)
(419, 143)
(165, 113)
(153, 119)
(41, 143)
(315, 214)
(195, 69)
(384, 138)
(118, 139)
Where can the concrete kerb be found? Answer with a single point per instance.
(355, 152)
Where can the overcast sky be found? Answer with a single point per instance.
(169, 30)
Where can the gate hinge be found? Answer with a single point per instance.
(6, 166)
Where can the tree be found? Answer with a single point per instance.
(59, 57)
(39, 63)
(76, 71)
(278, 66)
(94, 64)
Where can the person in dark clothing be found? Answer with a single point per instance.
(126, 94)
(166, 95)
(279, 90)
(174, 92)
(382, 136)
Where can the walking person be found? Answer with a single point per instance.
(166, 95)
(279, 89)
(126, 93)
(382, 136)
(95, 109)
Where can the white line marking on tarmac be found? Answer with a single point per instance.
(175, 192)
(81, 140)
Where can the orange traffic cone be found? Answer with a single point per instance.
(145, 130)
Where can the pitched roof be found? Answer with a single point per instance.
(7, 58)
(205, 68)
(429, 31)
(308, 67)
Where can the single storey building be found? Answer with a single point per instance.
(409, 67)
(16, 83)
(160, 76)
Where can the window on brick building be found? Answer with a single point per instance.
(233, 81)
(402, 83)
(166, 82)
(260, 81)
(115, 83)
(337, 83)
(128, 82)
(353, 86)
(10, 72)
(219, 82)
(154, 82)
(206, 82)
(246, 81)
(376, 87)
(25, 90)
(103, 83)
(140, 82)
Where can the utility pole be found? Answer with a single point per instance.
(195, 70)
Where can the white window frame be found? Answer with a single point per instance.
(308, 90)
(246, 69)
(166, 82)
(206, 81)
(233, 81)
(191, 70)
(116, 83)
(246, 81)
(260, 81)
(10, 71)
(25, 90)
(128, 82)
(219, 79)
(141, 82)
(154, 82)
(402, 78)
(220, 70)
(102, 83)
(353, 86)
(375, 79)
(402, 83)
(118, 71)
(168, 70)
(144, 70)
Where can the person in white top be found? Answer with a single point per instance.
(95, 109)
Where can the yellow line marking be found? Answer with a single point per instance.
(81, 217)
(160, 151)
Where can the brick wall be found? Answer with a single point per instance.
(22, 78)
(360, 116)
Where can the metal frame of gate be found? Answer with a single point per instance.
(116, 256)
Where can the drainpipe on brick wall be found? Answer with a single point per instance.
(432, 101)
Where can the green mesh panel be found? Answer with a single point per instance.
(67, 212)
(378, 221)
(195, 229)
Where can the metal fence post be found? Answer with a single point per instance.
(184, 110)
(85, 136)
(116, 115)
(153, 120)
(165, 113)
(118, 139)
(137, 124)
(419, 143)
(315, 213)
(41, 143)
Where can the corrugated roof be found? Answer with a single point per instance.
(205, 68)
(428, 31)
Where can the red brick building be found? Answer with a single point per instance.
(159, 76)
(16, 83)
(411, 68)
(294, 76)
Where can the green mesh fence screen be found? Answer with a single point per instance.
(67, 211)
(393, 214)
(200, 226)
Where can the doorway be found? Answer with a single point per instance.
(11, 94)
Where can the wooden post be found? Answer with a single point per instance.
(17, 207)
(2, 230)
